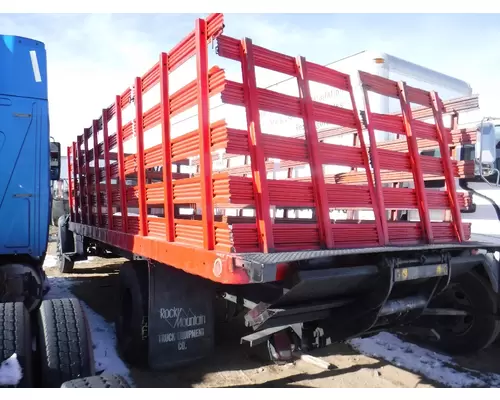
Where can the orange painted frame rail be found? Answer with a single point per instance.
(207, 244)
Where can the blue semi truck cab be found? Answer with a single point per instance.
(29, 160)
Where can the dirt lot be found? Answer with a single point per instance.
(234, 365)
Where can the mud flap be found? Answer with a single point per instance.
(181, 317)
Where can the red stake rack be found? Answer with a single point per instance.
(103, 196)
(412, 161)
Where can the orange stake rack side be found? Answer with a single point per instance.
(160, 205)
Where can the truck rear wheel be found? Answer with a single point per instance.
(479, 327)
(133, 310)
(15, 337)
(64, 341)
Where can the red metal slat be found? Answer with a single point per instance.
(150, 78)
(415, 164)
(283, 148)
(121, 166)
(255, 141)
(182, 100)
(339, 154)
(107, 168)
(88, 180)
(394, 161)
(447, 166)
(70, 182)
(125, 98)
(97, 172)
(449, 106)
(204, 132)
(424, 130)
(379, 85)
(333, 115)
(168, 195)
(229, 47)
(267, 100)
(274, 61)
(375, 162)
(315, 161)
(328, 76)
(141, 171)
(418, 96)
(387, 123)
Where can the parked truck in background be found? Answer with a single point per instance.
(29, 162)
(212, 205)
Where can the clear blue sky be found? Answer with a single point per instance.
(97, 55)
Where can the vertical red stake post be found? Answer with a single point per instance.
(79, 170)
(107, 166)
(418, 176)
(315, 160)
(70, 154)
(97, 171)
(204, 136)
(121, 164)
(167, 150)
(88, 179)
(141, 173)
(257, 160)
(444, 147)
(378, 206)
(379, 201)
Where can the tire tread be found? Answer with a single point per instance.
(64, 342)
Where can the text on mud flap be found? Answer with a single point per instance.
(177, 317)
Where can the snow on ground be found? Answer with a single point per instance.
(434, 366)
(103, 333)
(51, 261)
(11, 372)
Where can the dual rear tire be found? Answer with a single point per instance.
(63, 342)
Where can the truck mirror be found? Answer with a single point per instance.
(55, 161)
(486, 144)
(486, 153)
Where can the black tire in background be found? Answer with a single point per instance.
(133, 308)
(104, 381)
(15, 337)
(475, 331)
(64, 342)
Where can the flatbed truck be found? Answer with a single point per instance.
(196, 229)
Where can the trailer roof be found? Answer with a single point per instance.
(410, 68)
